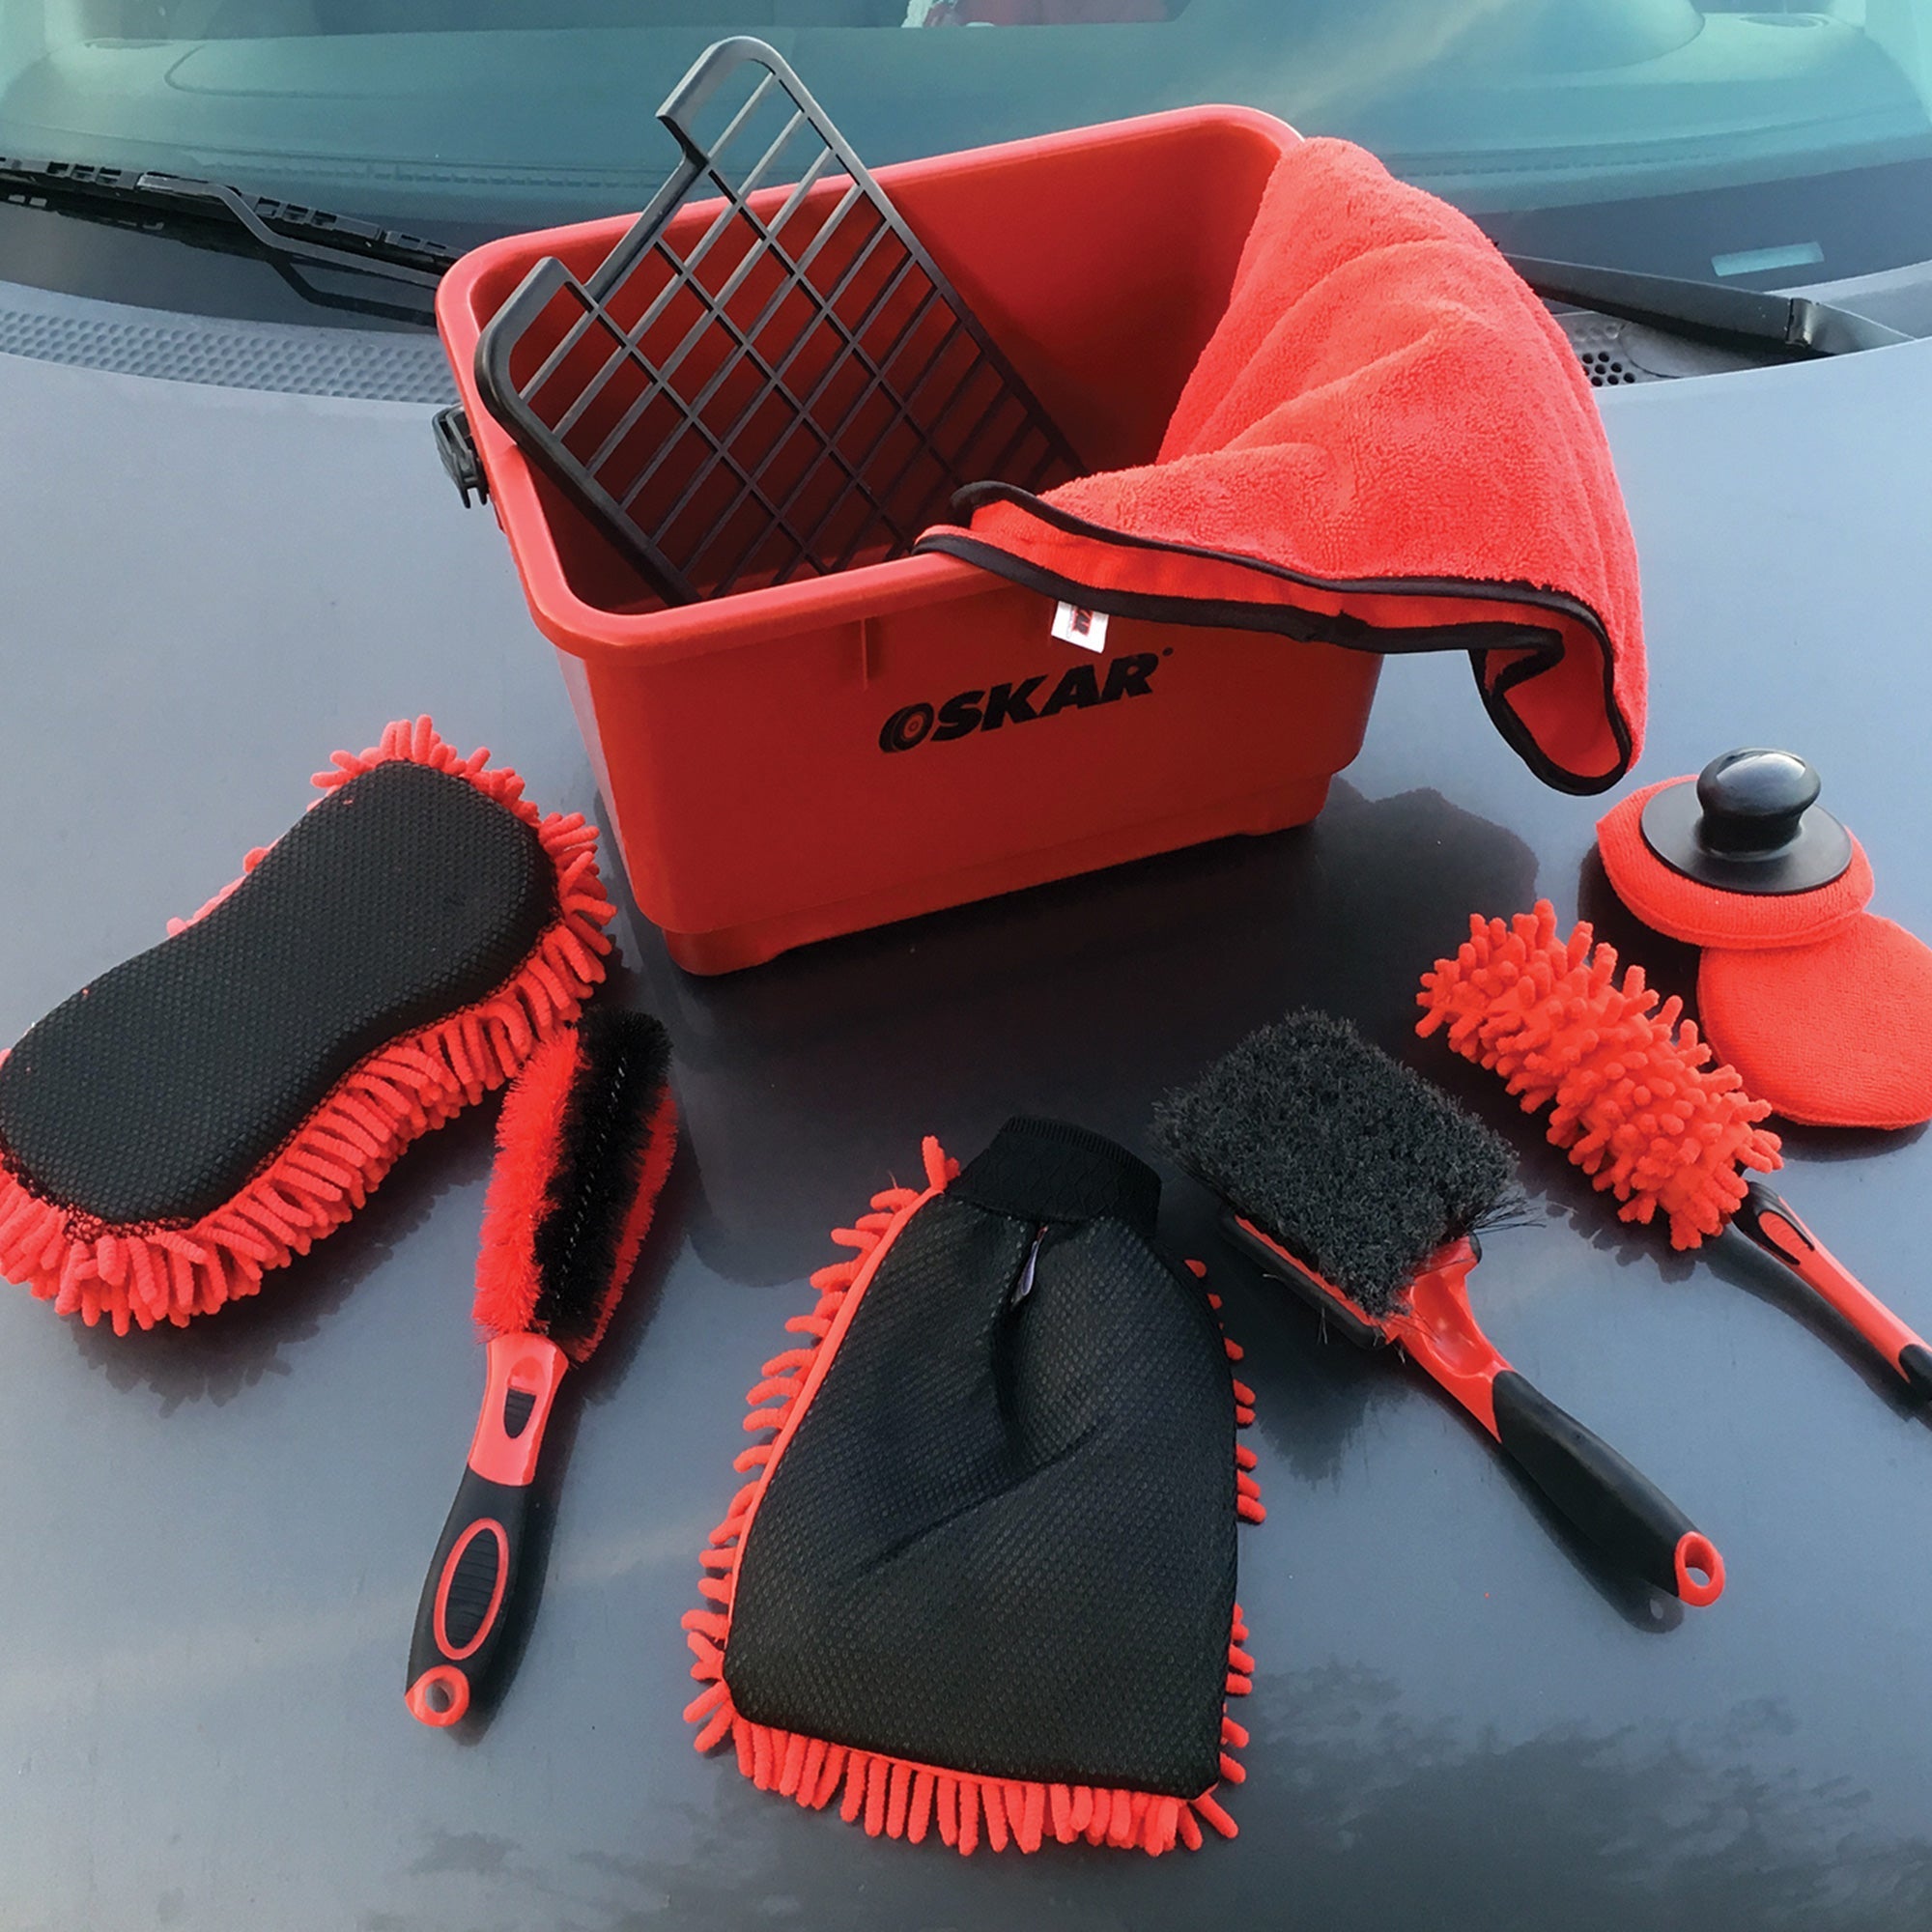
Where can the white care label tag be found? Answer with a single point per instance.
(1086, 628)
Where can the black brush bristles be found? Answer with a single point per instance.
(1356, 1166)
(585, 1142)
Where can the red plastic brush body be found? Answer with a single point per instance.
(1437, 1329)
(1639, 1102)
(475, 1560)
(523, 1366)
(588, 1133)
(1587, 1479)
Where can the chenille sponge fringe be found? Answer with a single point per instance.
(893, 1797)
(1633, 1094)
(143, 1276)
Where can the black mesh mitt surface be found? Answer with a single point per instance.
(984, 1575)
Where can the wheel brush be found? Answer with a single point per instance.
(584, 1146)
(1363, 1187)
(1639, 1102)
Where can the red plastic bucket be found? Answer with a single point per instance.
(810, 759)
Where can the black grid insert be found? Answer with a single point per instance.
(795, 391)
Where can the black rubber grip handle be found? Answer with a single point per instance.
(1618, 1508)
(1769, 1219)
(466, 1599)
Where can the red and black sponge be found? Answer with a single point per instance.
(207, 1110)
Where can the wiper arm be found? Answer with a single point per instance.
(1710, 311)
(281, 229)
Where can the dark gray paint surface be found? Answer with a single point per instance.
(212, 1540)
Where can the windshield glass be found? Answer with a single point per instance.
(1757, 143)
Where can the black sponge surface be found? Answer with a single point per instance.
(1356, 1166)
(150, 1096)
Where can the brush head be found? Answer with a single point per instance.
(1634, 1096)
(584, 1145)
(1357, 1166)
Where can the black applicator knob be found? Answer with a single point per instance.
(1752, 801)
(1751, 823)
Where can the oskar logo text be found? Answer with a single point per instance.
(968, 711)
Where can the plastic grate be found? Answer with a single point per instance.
(795, 391)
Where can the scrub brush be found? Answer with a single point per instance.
(1363, 1187)
(584, 1146)
(1639, 1102)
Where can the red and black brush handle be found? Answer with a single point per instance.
(1768, 1219)
(1614, 1505)
(1605, 1497)
(1602, 1495)
(471, 1588)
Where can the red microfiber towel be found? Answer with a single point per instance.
(1388, 445)
(1822, 1007)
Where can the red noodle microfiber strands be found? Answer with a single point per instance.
(1387, 444)
(980, 1577)
(1638, 1101)
(208, 1109)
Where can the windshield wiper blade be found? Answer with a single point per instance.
(282, 229)
(1710, 311)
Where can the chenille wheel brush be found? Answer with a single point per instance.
(584, 1146)
(1363, 1187)
(1639, 1102)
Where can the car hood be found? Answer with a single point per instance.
(219, 1535)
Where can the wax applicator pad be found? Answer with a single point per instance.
(207, 1110)
(982, 1580)
(1824, 1009)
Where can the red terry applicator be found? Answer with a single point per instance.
(584, 1144)
(1638, 1101)
(1824, 1009)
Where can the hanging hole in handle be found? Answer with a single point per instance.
(438, 1696)
(1700, 1570)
